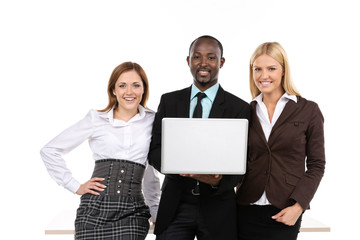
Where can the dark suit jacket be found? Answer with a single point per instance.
(278, 166)
(217, 206)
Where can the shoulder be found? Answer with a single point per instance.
(236, 98)
(148, 112)
(308, 104)
(177, 93)
(229, 97)
(97, 114)
(310, 108)
(99, 117)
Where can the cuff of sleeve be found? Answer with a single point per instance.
(301, 201)
(72, 185)
(153, 212)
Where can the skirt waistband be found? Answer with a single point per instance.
(122, 177)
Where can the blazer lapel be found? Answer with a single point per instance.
(289, 109)
(217, 109)
(255, 122)
(183, 103)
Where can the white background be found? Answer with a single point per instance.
(56, 58)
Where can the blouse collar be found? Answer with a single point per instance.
(259, 98)
(117, 122)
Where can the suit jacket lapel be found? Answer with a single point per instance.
(289, 109)
(217, 109)
(255, 122)
(183, 103)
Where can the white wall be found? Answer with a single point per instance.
(56, 58)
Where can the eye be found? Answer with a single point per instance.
(257, 69)
(272, 69)
(212, 58)
(196, 57)
(137, 85)
(122, 86)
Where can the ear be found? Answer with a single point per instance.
(222, 61)
(188, 60)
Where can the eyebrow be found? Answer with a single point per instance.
(266, 66)
(131, 83)
(210, 53)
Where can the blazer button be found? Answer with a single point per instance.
(266, 172)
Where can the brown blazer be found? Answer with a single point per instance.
(278, 166)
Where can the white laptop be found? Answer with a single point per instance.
(204, 146)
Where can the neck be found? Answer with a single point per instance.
(204, 87)
(124, 114)
(272, 98)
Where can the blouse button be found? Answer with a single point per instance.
(118, 192)
(120, 181)
(122, 171)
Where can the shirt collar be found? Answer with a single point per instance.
(210, 92)
(259, 98)
(116, 122)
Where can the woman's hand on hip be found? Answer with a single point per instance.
(91, 187)
(289, 215)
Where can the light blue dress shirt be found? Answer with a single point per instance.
(206, 102)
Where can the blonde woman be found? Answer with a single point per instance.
(112, 204)
(286, 151)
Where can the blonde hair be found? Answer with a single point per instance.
(125, 67)
(276, 51)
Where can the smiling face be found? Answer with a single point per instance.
(267, 74)
(129, 90)
(205, 61)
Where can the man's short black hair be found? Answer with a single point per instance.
(211, 37)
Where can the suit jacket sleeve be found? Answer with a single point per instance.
(155, 145)
(315, 162)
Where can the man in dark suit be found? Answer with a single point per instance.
(198, 205)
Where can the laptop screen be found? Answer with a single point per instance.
(204, 146)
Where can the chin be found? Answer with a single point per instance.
(204, 82)
(130, 107)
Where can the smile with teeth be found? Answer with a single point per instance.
(265, 83)
(129, 99)
(203, 72)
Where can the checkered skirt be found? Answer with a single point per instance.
(115, 214)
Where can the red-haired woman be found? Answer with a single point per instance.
(112, 204)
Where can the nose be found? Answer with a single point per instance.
(203, 61)
(264, 74)
(129, 90)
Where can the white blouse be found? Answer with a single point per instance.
(267, 126)
(108, 138)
